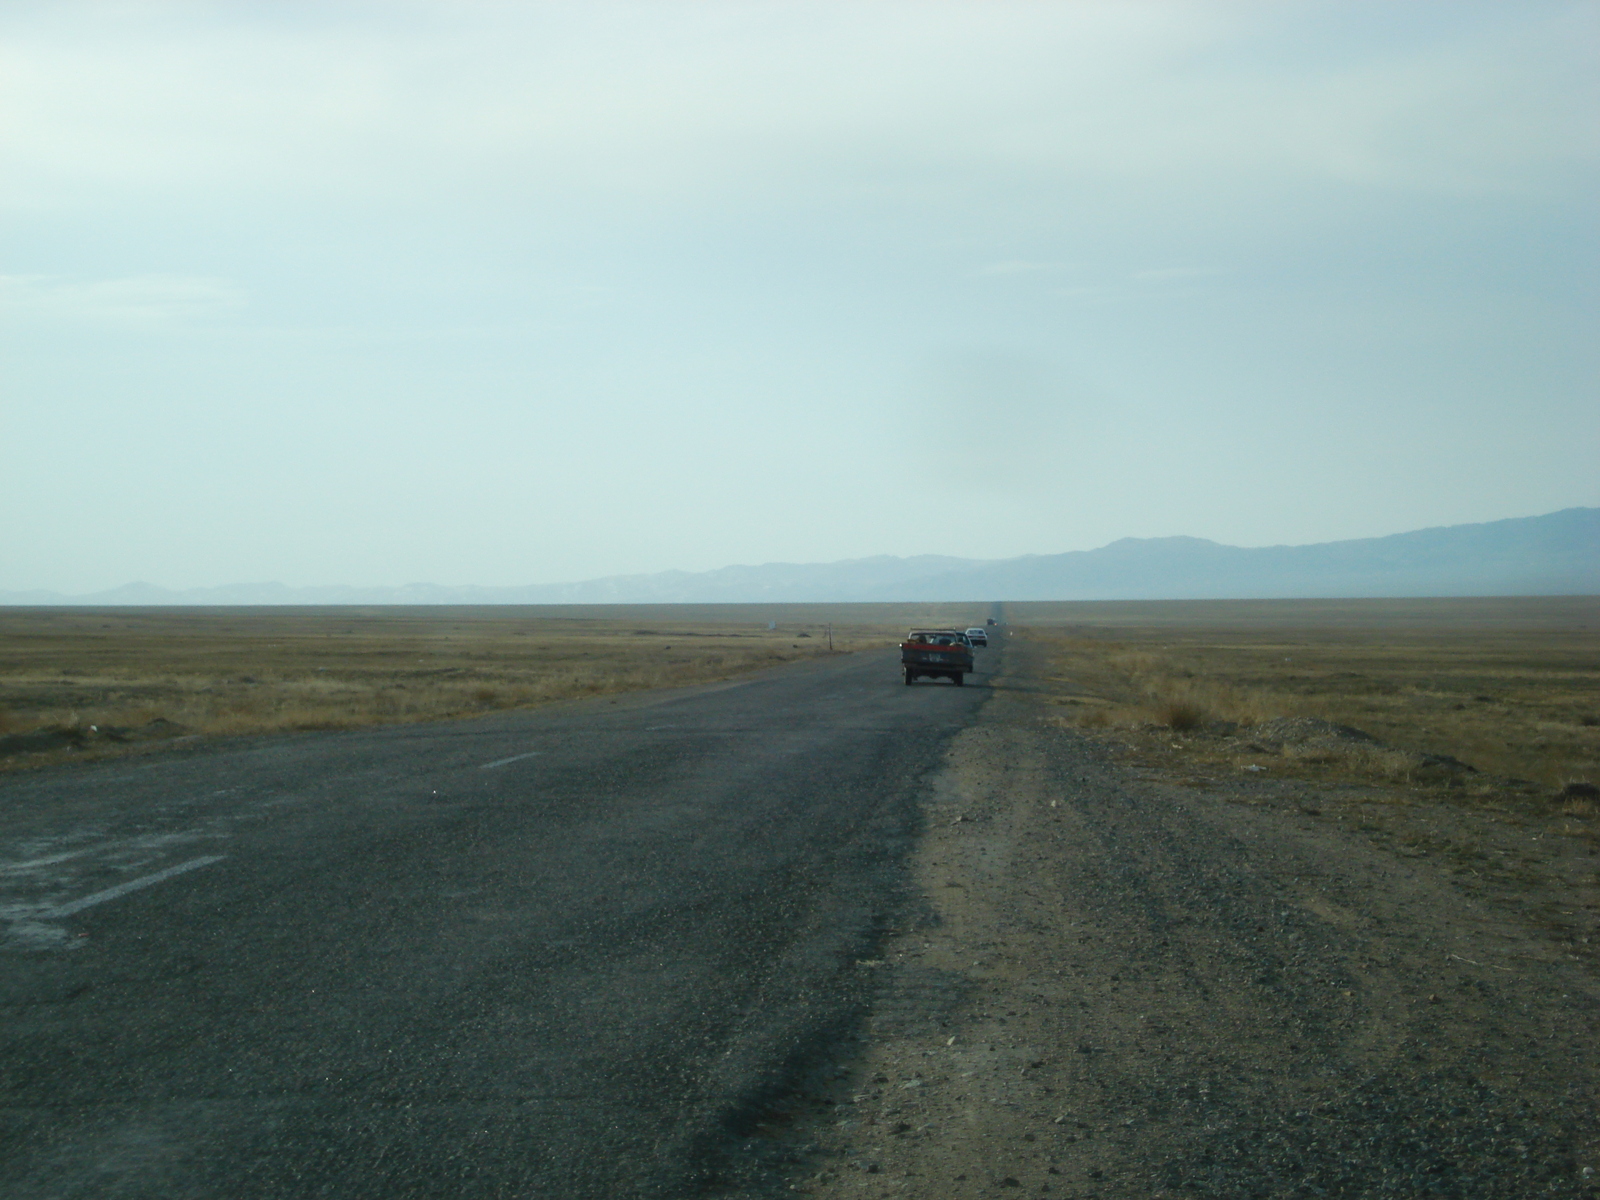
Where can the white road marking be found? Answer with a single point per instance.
(47, 861)
(500, 762)
(133, 885)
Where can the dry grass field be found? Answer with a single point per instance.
(89, 682)
(1463, 733)
(1509, 688)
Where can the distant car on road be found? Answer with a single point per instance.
(977, 636)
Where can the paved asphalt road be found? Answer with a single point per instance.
(556, 953)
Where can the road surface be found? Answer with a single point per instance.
(550, 953)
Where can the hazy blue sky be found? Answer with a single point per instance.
(465, 292)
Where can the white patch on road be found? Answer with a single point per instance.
(33, 864)
(36, 935)
(501, 762)
(133, 885)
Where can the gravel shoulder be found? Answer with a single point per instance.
(1113, 985)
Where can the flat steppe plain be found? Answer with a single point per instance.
(1194, 900)
(92, 682)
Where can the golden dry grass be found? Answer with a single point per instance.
(1246, 700)
(147, 672)
(1510, 687)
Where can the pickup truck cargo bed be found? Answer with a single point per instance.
(932, 653)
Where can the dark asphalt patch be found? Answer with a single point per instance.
(584, 973)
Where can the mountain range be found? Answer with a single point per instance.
(1552, 555)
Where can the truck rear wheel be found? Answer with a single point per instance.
(961, 680)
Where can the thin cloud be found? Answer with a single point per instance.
(1019, 267)
(140, 299)
(689, 101)
(1171, 274)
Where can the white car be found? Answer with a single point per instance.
(977, 636)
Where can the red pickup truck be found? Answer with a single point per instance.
(936, 652)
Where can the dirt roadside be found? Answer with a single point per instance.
(1114, 985)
